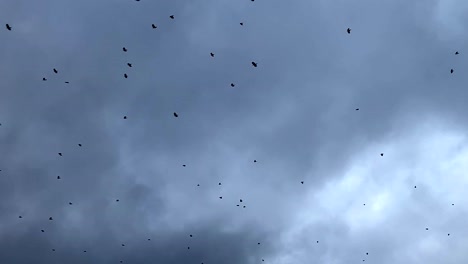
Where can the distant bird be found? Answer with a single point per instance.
(415, 186)
(149, 239)
(188, 247)
(125, 75)
(254, 64)
(60, 154)
(456, 53)
(367, 253)
(211, 54)
(448, 234)
(240, 200)
(255, 160)
(153, 26)
(124, 49)
(84, 251)
(125, 117)
(129, 65)
(8, 27)
(175, 114)
(53, 249)
(42, 230)
(302, 182)
(123, 245)
(453, 204)
(44, 79)
(171, 16)
(364, 204)
(241, 23)
(117, 200)
(50, 218)
(55, 70)
(58, 177)
(349, 31)
(317, 241)
(219, 183)
(237, 205)
(183, 165)
(427, 228)
(20, 216)
(70, 203)
(381, 154)
(357, 109)
(79, 145)
(220, 197)
(198, 184)
(451, 70)
(232, 85)
(191, 236)
(67, 82)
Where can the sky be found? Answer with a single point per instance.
(319, 192)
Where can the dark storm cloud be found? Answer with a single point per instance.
(294, 113)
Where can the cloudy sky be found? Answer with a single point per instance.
(294, 114)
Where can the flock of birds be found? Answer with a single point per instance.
(254, 64)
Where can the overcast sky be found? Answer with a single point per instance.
(294, 114)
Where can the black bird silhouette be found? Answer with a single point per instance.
(254, 64)
(211, 54)
(188, 247)
(317, 241)
(241, 23)
(125, 75)
(240, 200)
(58, 177)
(20, 216)
(244, 206)
(415, 186)
(67, 82)
(255, 160)
(129, 64)
(220, 197)
(367, 253)
(123, 245)
(175, 114)
(117, 200)
(451, 70)
(364, 204)
(258, 243)
(149, 239)
(53, 249)
(55, 70)
(153, 26)
(357, 109)
(427, 228)
(70, 203)
(232, 85)
(79, 145)
(8, 27)
(42, 230)
(125, 117)
(84, 251)
(171, 16)
(349, 31)
(183, 165)
(448, 234)
(198, 184)
(381, 154)
(124, 49)
(456, 53)
(44, 79)
(302, 182)
(453, 204)
(60, 154)
(50, 218)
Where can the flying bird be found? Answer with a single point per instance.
(44, 79)
(211, 54)
(60, 154)
(241, 23)
(381, 154)
(42, 230)
(456, 53)
(20, 216)
(125, 75)
(255, 160)
(125, 117)
(175, 114)
(240, 200)
(183, 165)
(50, 218)
(302, 182)
(349, 31)
(8, 27)
(117, 200)
(58, 177)
(191, 236)
(220, 197)
(153, 26)
(67, 82)
(427, 228)
(129, 65)
(357, 109)
(79, 145)
(451, 70)
(232, 85)
(171, 16)
(55, 70)
(254, 64)
(124, 49)
(123, 245)
(70, 203)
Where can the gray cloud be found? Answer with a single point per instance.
(294, 114)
